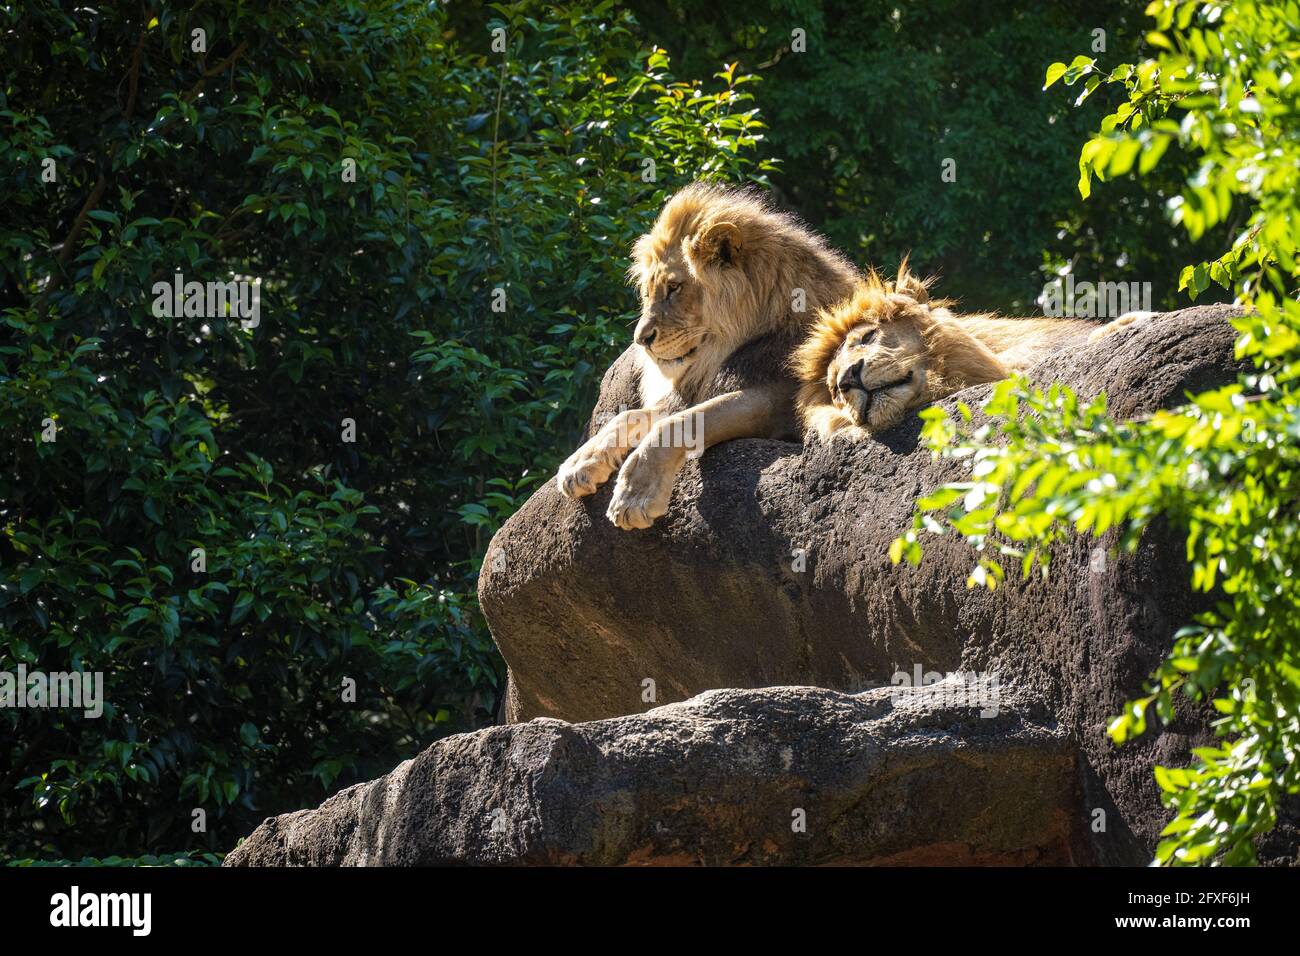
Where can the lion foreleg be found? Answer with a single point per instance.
(591, 465)
(645, 482)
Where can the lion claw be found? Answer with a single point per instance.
(632, 511)
(641, 494)
(582, 474)
(577, 481)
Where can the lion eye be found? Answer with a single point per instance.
(673, 287)
(866, 337)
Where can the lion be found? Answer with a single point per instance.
(889, 349)
(728, 287)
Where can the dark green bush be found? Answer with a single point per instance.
(520, 169)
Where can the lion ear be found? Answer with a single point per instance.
(719, 242)
(910, 285)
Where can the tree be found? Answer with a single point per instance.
(263, 529)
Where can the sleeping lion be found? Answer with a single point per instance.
(889, 349)
(728, 288)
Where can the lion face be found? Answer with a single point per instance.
(881, 369)
(672, 326)
(871, 358)
(889, 348)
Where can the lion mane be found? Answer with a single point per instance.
(888, 349)
(750, 271)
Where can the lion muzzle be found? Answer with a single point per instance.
(850, 377)
(646, 330)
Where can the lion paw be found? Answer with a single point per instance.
(641, 494)
(583, 472)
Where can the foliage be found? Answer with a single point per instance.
(884, 92)
(324, 561)
(1225, 466)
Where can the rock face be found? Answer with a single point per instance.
(771, 568)
(793, 775)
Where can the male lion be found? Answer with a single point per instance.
(728, 287)
(889, 349)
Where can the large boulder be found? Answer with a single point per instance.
(792, 775)
(771, 568)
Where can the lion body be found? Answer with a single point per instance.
(728, 287)
(889, 349)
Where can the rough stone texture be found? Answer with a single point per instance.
(585, 613)
(888, 777)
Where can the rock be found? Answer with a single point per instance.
(771, 568)
(788, 775)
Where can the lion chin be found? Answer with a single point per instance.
(858, 414)
(888, 350)
(873, 411)
(674, 364)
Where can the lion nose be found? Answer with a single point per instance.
(850, 377)
(645, 333)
